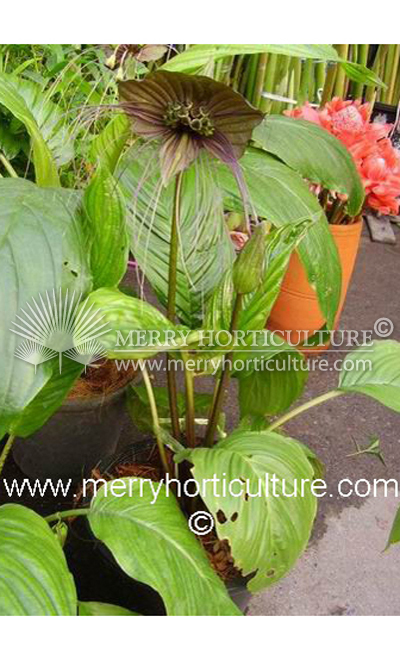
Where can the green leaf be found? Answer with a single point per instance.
(313, 152)
(48, 400)
(107, 147)
(92, 608)
(275, 378)
(51, 143)
(360, 73)
(200, 55)
(394, 536)
(266, 533)
(42, 248)
(281, 196)
(34, 576)
(126, 317)
(206, 250)
(151, 542)
(374, 370)
(105, 217)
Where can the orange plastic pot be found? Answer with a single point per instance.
(296, 311)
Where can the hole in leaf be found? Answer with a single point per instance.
(221, 517)
(246, 497)
(270, 573)
(74, 273)
(234, 516)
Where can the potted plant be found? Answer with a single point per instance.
(99, 221)
(150, 540)
(61, 244)
(378, 165)
(217, 305)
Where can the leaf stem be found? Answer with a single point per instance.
(190, 408)
(171, 305)
(305, 406)
(70, 513)
(155, 418)
(222, 386)
(6, 450)
(9, 168)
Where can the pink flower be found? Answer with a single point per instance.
(377, 161)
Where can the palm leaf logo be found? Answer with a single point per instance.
(31, 351)
(58, 323)
(87, 353)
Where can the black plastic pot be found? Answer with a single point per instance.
(98, 576)
(79, 435)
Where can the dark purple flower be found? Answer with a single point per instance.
(189, 113)
(140, 52)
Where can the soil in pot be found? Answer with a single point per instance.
(83, 431)
(296, 313)
(88, 558)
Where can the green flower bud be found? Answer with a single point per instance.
(61, 532)
(249, 267)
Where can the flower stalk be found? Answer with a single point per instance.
(222, 384)
(171, 304)
(6, 450)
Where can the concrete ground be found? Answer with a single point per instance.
(344, 571)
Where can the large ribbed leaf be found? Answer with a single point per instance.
(34, 576)
(106, 147)
(266, 533)
(274, 378)
(374, 370)
(52, 145)
(105, 217)
(151, 542)
(205, 249)
(313, 152)
(126, 317)
(42, 248)
(199, 55)
(279, 195)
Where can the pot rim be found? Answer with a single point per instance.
(79, 404)
(353, 228)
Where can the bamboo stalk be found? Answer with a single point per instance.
(291, 93)
(320, 74)
(362, 58)
(296, 78)
(339, 88)
(252, 78)
(392, 79)
(280, 69)
(305, 82)
(370, 94)
(269, 81)
(237, 72)
(260, 77)
(329, 83)
(245, 76)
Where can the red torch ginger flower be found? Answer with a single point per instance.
(377, 161)
(187, 114)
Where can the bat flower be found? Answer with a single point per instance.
(140, 52)
(189, 113)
